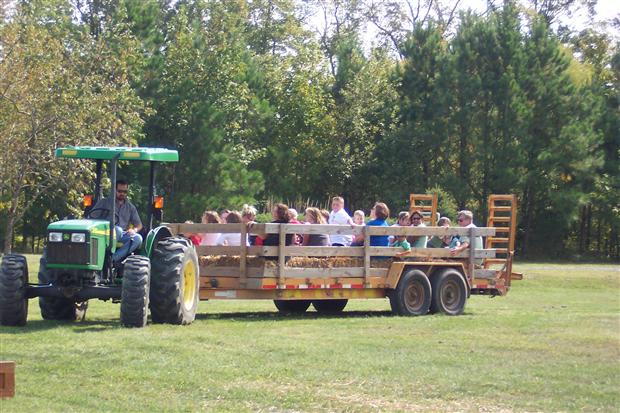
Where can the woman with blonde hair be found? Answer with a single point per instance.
(314, 216)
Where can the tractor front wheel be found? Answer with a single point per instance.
(174, 282)
(53, 308)
(135, 291)
(13, 283)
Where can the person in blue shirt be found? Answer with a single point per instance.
(382, 213)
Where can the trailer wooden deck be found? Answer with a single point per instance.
(291, 272)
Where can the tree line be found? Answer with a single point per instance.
(292, 100)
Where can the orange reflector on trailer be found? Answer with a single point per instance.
(158, 203)
(87, 201)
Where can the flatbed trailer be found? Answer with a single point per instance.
(425, 280)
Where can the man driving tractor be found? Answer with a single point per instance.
(128, 223)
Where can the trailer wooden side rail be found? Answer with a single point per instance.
(425, 280)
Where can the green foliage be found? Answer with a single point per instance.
(262, 107)
(59, 87)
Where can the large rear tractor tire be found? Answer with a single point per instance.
(174, 282)
(412, 295)
(292, 306)
(13, 283)
(329, 306)
(449, 292)
(53, 308)
(135, 291)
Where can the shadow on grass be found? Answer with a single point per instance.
(311, 315)
(94, 326)
(264, 315)
(86, 326)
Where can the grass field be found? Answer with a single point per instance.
(553, 344)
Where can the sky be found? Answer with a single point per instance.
(605, 10)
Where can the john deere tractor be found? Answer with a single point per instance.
(77, 262)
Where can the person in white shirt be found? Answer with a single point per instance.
(231, 239)
(465, 219)
(209, 238)
(339, 216)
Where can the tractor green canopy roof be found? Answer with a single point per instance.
(126, 154)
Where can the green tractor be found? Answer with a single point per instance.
(77, 262)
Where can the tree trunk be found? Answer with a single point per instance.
(588, 226)
(8, 239)
(462, 166)
(582, 229)
(528, 220)
(598, 237)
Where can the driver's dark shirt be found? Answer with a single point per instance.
(126, 213)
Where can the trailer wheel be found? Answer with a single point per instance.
(53, 308)
(329, 306)
(449, 292)
(135, 291)
(174, 282)
(13, 283)
(292, 306)
(412, 295)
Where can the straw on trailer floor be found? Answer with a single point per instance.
(294, 262)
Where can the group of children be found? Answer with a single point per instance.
(282, 214)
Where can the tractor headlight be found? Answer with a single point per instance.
(55, 237)
(78, 237)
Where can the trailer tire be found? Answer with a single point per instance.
(329, 306)
(135, 291)
(412, 295)
(449, 292)
(53, 308)
(13, 283)
(292, 306)
(174, 282)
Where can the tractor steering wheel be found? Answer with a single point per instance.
(101, 216)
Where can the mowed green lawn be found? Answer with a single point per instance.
(553, 344)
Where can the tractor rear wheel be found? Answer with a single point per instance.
(329, 306)
(135, 291)
(13, 283)
(412, 295)
(174, 282)
(53, 308)
(292, 306)
(449, 292)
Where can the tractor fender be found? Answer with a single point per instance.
(154, 236)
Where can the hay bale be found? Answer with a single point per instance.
(234, 260)
(336, 262)
(293, 262)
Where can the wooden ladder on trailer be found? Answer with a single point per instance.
(427, 205)
(503, 217)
